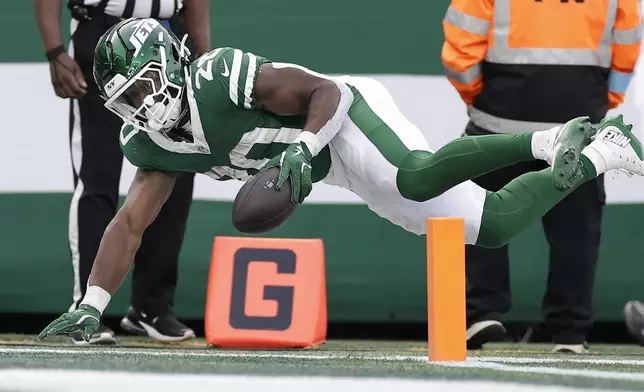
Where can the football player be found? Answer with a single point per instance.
(232, 113)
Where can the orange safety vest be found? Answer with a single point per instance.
(526, 65)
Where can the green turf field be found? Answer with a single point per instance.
(135, 364)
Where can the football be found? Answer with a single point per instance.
(259, 207)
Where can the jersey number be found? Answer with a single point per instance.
(262, 136)
(244, 167)
(205, 68)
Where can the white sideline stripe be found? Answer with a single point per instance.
(100, 381)
(479, 363)
(588, 373)
(537, 360)
(214, 353)
(306, 355)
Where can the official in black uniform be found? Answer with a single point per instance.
(97, 159)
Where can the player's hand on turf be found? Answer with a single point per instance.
(67, 78)
(85, 318)
(294, 162)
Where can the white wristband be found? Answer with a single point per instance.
(97, 297)
(311, 140)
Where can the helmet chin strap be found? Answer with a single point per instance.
(183, 50)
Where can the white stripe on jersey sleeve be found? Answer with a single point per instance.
(233, 83)
(250, 79)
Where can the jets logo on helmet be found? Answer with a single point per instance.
(142, 32)
(139, 67)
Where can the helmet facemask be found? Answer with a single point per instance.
(148, 101)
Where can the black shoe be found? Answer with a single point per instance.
(634, 319)
(484, 332)
(165, 328)
(103, 336)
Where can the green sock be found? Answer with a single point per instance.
(525, 199)
(423, 175)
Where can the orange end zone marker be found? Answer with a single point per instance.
(266, 293)
(446, 323)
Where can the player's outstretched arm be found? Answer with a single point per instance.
(287, 89)
(121, 240)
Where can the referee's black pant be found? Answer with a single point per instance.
(97, 162)
(573, 229)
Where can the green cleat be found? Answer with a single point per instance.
(571, 139)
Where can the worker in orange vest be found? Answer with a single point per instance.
(528, 65)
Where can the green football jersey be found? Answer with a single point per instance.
(229, 135)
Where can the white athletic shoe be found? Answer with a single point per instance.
(543, 143)
(565, 150)
(573, 136)
(634, 319)
(571, 349)
(616, 148)
(484, 332)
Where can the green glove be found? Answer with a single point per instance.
(294, 162)
(86, 319)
